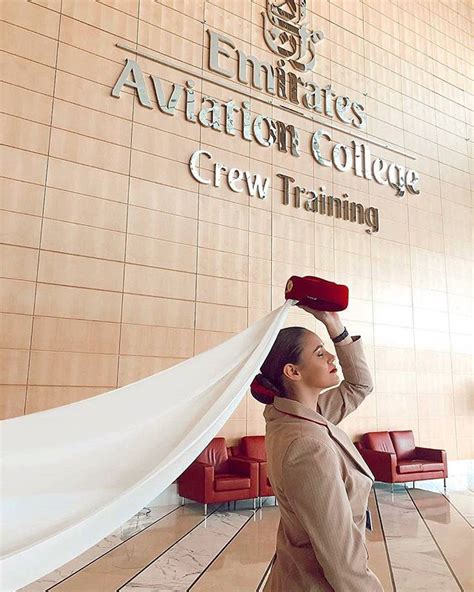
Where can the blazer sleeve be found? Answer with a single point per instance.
(336, 403)
(316, 492)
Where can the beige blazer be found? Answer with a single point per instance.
(322, 485)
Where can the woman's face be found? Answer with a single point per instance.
(316, 363)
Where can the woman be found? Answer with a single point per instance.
(321, 482)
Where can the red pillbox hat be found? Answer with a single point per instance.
(317, 293)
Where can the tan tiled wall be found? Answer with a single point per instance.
(116, 263)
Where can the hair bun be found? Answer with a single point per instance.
(263, 390)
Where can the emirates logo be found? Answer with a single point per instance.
(288, 36)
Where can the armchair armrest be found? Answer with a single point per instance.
(198, 472)
(380, 456)
(436, 454)
(264, 472)
(382, 464)
(242, 466)
(196, 482)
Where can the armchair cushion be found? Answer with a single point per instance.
(432, 466)
(379, 441)
(215, 454)
(225, 482)
(253, 447)
(404, 444)
(409, 466)
(418, 465)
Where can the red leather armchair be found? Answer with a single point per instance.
(253, 448)
(393, 458)
(215, 477)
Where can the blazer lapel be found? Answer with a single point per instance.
(344, 441)
(290, 407)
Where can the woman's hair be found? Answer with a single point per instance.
(286, 350)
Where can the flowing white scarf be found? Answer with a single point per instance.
(73, 474)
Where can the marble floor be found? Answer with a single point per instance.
(423, 540)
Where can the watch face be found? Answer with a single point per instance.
(289, 286)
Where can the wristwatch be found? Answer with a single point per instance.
(340, 337)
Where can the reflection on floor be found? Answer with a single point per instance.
(422, 540)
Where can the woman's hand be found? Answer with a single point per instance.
(329, 318)
(325, 316)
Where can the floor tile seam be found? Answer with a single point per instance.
(232, 537)
(122, 586)
(436, 543)
(382, 529)
(222, 550)
(107, 551)
(452, 504)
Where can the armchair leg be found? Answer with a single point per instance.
(254, 504)
(183, 501)
(391, 486)
(444, 482)
(205, 509)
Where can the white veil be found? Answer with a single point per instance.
(73, 474)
